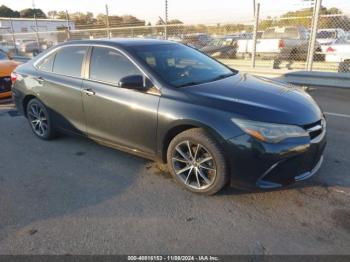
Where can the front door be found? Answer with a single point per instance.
(117, 115)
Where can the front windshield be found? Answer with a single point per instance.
(326, 35)
(180, 66)
(216, 42)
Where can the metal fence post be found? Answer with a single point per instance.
(312, 46)
(36, 27)
(107, 22)
(13, 37)
(256, 25)
(67, 25)
(166, 20)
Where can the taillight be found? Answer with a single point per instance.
(13, 78)
(330, 49)
(281, 44)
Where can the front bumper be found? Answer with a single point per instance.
(255, 164)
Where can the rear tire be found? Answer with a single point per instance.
(197, 162)
(39, 120)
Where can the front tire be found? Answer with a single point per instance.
(39, 120)
(197, 162)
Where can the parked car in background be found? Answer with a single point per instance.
(33, 47)
(8, 47)
(197, 41)
(7, 65)
(173, 104)
(222, 47)
(290, 42)
(337, 53)
(328, 37)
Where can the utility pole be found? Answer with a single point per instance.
(254, 7)
(166, 20)
(256, 25)
(36, 27)
(13, 36)
(107, 22)
(67, 25)
(312, 46)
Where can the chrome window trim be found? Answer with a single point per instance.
(56, 49)
(42, 60)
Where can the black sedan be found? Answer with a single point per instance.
(225, 47)
(172, 104)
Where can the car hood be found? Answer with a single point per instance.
(258, 99)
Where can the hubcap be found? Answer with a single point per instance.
(38, 120)
(194, 165)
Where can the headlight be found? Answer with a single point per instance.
(268, 132)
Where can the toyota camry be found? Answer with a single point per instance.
(168, 102)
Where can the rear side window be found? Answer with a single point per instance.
(108, 65)
(47, 63)
(69, 60)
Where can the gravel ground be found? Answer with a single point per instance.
(72, 196)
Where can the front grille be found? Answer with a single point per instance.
(5, 84)
(315, 129)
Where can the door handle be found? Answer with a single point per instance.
(89, 92)
(40, 79)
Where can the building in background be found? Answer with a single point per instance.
(27, 25)
(25, 29)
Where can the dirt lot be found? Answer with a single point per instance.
(72, 196)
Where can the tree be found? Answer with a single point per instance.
(61, 15)
(8, 12)
(129, 20)
(83, 20)
(52, 14)
(29, 13)
(303, 18)
(175, 22)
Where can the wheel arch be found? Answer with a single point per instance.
(180, 127)
(25, 102)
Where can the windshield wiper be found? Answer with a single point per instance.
(207, 81)
(221, 77)
(190, 84)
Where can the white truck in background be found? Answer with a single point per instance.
(331, 36)
(290, 43)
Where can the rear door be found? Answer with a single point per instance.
(124, 117)
(59, 79)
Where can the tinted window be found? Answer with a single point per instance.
(68, 61)
(326, 34)
(181, 66)
(110, 66)
(47, 63)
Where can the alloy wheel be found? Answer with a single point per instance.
(38, 120)
(194, 165)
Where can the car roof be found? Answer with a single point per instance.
(121, 42)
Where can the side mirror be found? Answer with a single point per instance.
(132, 82)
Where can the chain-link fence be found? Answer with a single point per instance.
(292, 41)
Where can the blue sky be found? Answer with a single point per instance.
(189, 11)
